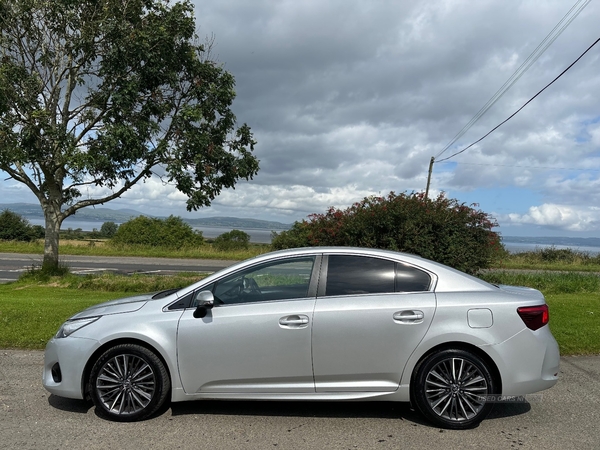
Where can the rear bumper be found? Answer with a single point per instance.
(529, 361)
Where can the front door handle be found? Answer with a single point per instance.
(409, 316)
(294, 321)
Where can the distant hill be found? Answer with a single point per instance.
(237, 222)
(34, 211)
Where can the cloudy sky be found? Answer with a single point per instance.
(350, 98)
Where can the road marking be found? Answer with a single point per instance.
(83, 271)
(145, 272)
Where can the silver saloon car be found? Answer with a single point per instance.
(317, 323)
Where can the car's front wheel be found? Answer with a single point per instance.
(128, 382)
(451, 388)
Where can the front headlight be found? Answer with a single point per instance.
(71, 326)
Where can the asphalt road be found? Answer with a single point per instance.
(12, 265)
(564, 417)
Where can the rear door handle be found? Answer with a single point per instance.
(409, 316)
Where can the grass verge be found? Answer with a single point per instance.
(575, 322)
(547, 282)
(30, 315)
(550, 258)
(101, 248)
(136, 283)
(574, 301)
(31, 310)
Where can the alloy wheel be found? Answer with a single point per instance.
(125, 384)
(456, 389)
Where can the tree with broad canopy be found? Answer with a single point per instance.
(107, 93)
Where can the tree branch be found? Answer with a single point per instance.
(21, 176)
(99, 201)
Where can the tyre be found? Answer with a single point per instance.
(128, 382)
(451, 387)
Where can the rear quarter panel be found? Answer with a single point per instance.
(451, 325)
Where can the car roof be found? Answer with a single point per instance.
(448, 279)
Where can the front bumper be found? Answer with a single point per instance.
(64, 364)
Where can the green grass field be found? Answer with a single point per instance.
(574, 301)
(31, 315)
(102, 248)
(575, 322)
(32, 309)
(550, 258)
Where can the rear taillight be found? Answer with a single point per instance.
(534, 316)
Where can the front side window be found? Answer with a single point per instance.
(278, 280)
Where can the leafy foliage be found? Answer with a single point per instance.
(15, 227)
(171, 232)
(101, 93)
(232, 240)
(74, 234)
(560, 255)
(108, 229)
(440, 229)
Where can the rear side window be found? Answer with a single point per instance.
(411, 279)
(355, 275)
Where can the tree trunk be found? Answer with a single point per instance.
(53, 221)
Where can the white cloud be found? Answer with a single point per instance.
(560, 216)
(350, 98)
(287, 203)
(594, 132)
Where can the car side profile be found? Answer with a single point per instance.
(322, 323)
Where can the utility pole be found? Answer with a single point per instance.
(429, 177)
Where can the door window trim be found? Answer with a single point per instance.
(312, 286)
(322, 286)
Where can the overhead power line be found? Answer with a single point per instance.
(524, 105)
(533, 57)
(548, 40)
(521, 166)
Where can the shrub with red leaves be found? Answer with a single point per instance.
(441, 229)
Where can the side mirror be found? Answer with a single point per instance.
(205, 301)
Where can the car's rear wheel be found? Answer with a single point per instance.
(128, 382)
(451, 388)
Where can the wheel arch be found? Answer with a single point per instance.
(107, 345)
(491, 364)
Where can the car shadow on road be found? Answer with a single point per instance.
(367, 410)
(378, 410)
(503, 410)
(70, 405)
